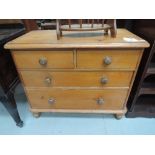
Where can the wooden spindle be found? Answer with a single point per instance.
(58, 28)
(69, 22)
(60, 23)
(80, 23)
(88, 21)
(102, 22)
(92, 24)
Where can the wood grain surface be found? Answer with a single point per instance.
(76, 79)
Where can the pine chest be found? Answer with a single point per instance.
(80, 73)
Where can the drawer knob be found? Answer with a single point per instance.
(48, 80)
(107, 60)
(43, 61)
(51, 101)
(100, 101)
(104, 80)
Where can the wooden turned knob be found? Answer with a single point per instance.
(107, 60)
(51, 100)
(100, 101)
(104, 80)
(48, 80)
(43, 61)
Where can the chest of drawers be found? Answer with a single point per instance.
(80, 73)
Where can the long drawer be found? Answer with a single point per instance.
(76, 79)
(43, 59)
(77, 99)
(104, 59)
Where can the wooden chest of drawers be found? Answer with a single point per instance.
(79, 73)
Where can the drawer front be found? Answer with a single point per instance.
(102, 59)
(43, 59)
(77, 99)
(76, 79)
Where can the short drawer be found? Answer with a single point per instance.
(43, 59)
(112, 59)
(77, 99)
(76, 79)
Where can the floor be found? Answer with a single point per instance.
(69, 124)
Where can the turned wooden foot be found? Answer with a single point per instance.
(36, 114)
(119, 116)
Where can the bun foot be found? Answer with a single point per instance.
(36, 114)
(119, 116)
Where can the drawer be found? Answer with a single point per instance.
(77, 99)
(113, 59)
(43, 59)
(76, 79)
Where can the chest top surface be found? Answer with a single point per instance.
(46, 39)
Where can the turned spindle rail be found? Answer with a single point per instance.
(85, 25)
